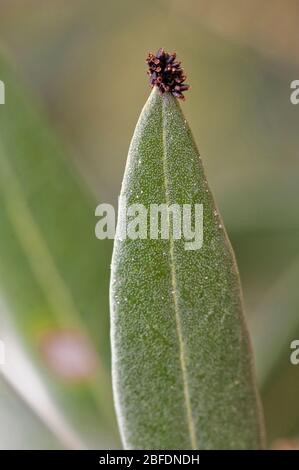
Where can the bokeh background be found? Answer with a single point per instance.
(75, 82)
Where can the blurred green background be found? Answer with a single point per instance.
(75, 82)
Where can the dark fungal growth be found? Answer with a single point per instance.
(166, 73)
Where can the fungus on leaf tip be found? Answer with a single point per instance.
(166, 73)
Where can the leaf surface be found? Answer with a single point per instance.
(182, 363)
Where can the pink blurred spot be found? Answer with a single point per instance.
(286, 444)
(69, 354)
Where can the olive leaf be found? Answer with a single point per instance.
(182, 363)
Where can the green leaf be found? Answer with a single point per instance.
(182, 363)
(47, 246)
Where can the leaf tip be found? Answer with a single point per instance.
(166, 73)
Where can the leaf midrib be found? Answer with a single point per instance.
(182, 351)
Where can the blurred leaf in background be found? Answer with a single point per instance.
(53, 280)
(20, 428)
